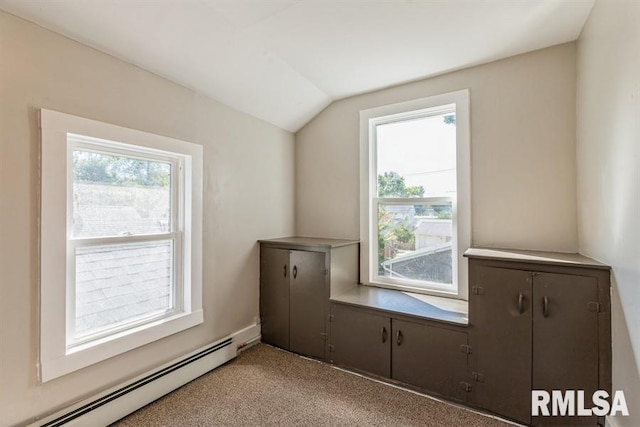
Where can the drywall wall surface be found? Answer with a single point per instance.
(522, 150)
(248, 195)
(608, 159)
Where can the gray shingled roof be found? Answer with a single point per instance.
(119, 283)
(94, 221)
(432, 264)
(112, 210)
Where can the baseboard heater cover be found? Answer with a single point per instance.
(116, 404)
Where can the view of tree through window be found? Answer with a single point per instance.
(103, 168)
(116, 195)
(416, 160)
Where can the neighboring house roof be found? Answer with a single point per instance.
(117, 283)
(444, 247)
(95, 221)
(112, 210)
(432, 264)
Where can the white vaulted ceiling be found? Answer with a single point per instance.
(285, 60)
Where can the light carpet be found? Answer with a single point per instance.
(265, 386)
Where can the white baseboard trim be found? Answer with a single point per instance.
(117, 402)
(247, 337)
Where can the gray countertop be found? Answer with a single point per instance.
(405, 303)
(310, 241)
(535, 257)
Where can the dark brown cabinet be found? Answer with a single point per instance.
(306, 309)
(297, 276)
(501, 340)
(426, 354)
(430, 356)
(361, 339)
(274, 296)
(292, 288)
(537, 322)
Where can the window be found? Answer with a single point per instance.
(415, 203)
(121, 247)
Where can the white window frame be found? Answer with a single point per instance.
(89, 144)
(59, 354)
(461, 204)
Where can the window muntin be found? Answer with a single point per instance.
(415, 195)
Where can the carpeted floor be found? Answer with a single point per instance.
(265, 386)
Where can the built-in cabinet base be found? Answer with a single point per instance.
(389, 334)
(538, 321)
(535, 321)
(419, 353)
(297, 277)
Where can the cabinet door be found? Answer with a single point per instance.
(274, 296)
(429, 357)
(308, 301)
(565, 339)
(360, 339)
(501, 342)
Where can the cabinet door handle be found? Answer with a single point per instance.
(399, 337)
(285, 270)
(545, 307)
(295, 271)
(520, 303)
(383, 333)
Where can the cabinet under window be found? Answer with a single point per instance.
(427, 354)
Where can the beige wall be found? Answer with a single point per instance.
(248, 194)
(523, 139)
(608, 152)
(522, 148)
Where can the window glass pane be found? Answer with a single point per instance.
(119, 195)
(417, 157)
(415, 242)
(120, 284)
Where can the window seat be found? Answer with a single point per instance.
(420, 306)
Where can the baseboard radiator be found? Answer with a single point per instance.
(114, 404)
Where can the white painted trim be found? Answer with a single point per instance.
(85, 355)
(179, 188)
(462, 205)
(136, 399)
(247, 337)
(55, 357)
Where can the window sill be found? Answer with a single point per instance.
(63, 362)
(424, 307)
